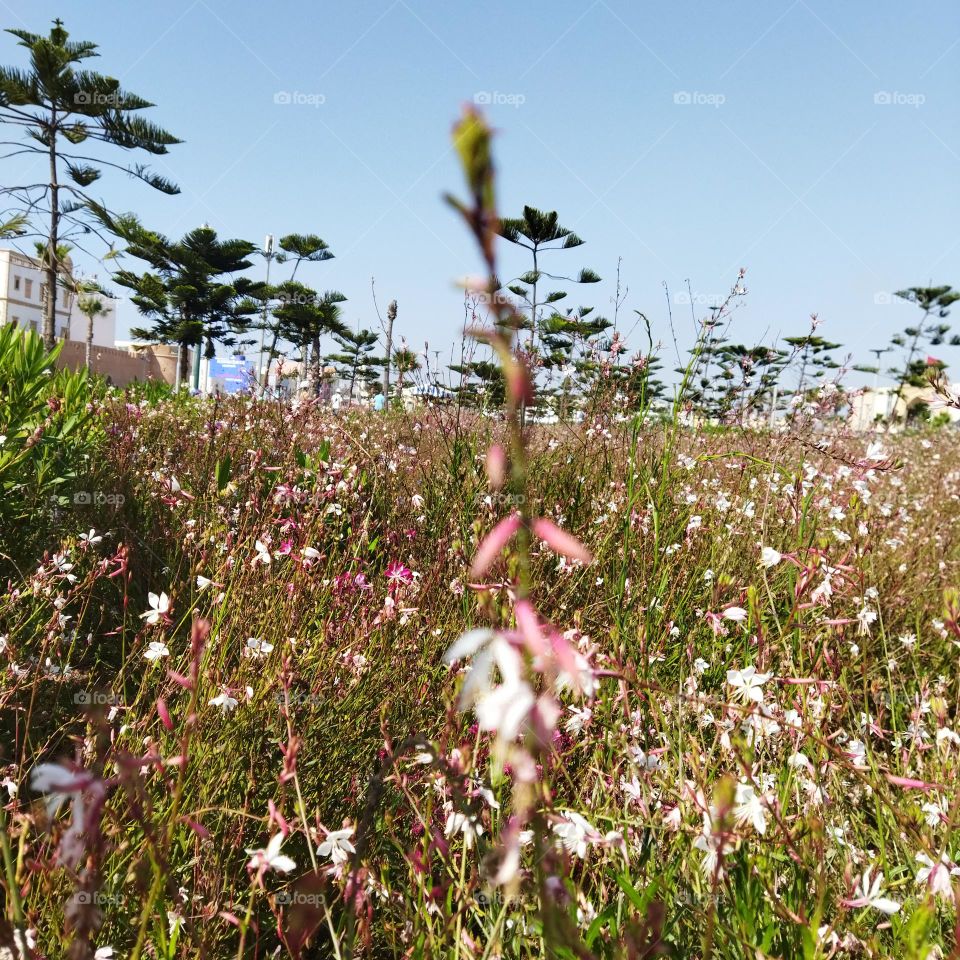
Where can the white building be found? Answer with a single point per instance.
(870, 408)
(23, 290)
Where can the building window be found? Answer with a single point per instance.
(28, 288)
(66, 298)
(33, 326)
(16, 321)
(16, 282)
(64, 333)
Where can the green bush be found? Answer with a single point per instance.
(153, 391)
(47, 434)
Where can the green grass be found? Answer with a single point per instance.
(330, 723)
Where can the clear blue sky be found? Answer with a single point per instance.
(783, 162)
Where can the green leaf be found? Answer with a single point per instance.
(83, 174)
(623, 882)
(223, 472)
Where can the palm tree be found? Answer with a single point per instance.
(61, 105)
(64, 270)
(404, 361)
(91, 306)
(15, 225)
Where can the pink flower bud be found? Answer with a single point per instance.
(164, 714)
(530, 628)
(492, 544)
(560, 541)
(496, 466)
(519, 382)
(277, 817)
(198, 828)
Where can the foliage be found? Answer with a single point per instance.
(483, 384)
(296, 248)
(539, 233)
(934, 304)
(192, 294)
(356, 360)
(653, 681)
(304, 317)
(48, 436)
(60, 106)
(674, 533)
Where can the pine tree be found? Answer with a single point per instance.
(295, 248)
(191, 294)
(540, 233)
(60, 106)
(304, 318)
(934, 303)
(483, 383)
(355, 361)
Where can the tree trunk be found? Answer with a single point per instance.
(315, 365)
(196, 366)
(905, 376)
(391, 316)
(182, 364)
(273, 347)
(50, 307)
(89, 349)
(263, 330)
(533, 304)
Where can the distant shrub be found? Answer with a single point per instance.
(153, 391)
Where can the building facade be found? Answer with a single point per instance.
(872, 408)
(23, 292)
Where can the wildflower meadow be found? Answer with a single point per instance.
(566, 636)
(284, 680)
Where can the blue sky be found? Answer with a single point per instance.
(817, 144)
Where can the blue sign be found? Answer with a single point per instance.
(231, 374)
